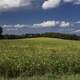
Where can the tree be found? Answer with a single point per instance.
(1, 31)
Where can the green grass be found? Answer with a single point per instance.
(45, 77)
(39, 56)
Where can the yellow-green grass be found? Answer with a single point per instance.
(45, 77)
(39, 56)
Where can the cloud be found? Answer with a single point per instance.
(65, 24)
(50, 4)
(77, 2)
(49, 23)
(76, 31)
(67, 1)
(55, 3)
(19, 25)
(77, 22)
(53, 24)
(46, 24)
(47, 4)
(8, 4)
(15, 26)
(74, 2)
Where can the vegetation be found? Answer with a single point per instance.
(39, 56)
(47, 34)
(50, 35)
(45, 77)
(1, 30)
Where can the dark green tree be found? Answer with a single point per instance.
(1, 30)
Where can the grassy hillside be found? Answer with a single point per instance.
(39, 56)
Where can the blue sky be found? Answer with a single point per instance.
(35, 14)
(21, 16)
(33, 11)
(66, 12)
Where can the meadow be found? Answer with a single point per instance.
(39, 59)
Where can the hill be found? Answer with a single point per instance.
(39, 56)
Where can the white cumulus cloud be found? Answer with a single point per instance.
(45, 24)
(53, 24)
(49, 23)
(65, 24)
(47, 4)
(8, 4)
(50, 4)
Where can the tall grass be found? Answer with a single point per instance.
(39, 56)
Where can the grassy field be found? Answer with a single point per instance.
(38, 57)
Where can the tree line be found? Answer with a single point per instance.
(48, 34)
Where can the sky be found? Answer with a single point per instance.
(40, 13)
